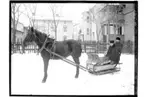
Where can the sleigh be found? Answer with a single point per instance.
(99, 69)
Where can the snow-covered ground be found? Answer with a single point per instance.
(27, 74)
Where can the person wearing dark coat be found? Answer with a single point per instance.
(113, 53)
(110, 49)
(109, 56)
(118, 46)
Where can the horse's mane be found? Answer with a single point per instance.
(39, 33)
(44, 35)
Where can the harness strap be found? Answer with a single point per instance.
(66, 60)
(42, 46)
(52, 49)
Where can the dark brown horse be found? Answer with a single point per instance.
(63, 48)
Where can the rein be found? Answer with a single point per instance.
(39, 39)
(44, 43)
(52, 48)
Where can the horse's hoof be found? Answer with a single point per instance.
(76, 76)
(43, 81)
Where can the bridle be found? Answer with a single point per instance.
(38, 38)
(44, 43)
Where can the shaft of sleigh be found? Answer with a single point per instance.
(68, 61)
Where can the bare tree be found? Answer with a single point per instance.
(56, 10)
(30, 13)
(15, 14)
(96, 18)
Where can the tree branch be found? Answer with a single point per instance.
(30, 18)
(17, 9)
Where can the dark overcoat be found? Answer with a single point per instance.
(114, 52)
(118, 46)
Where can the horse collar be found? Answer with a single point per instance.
(43, 46)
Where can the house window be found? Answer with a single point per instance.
(87, 18)
(65, 28)
(80, 32)
(120, 30)
(87, 31)
(93, 34)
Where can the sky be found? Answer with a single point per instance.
(71, 11)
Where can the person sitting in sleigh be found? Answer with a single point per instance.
(113, 54)
(118, 46)
(94, 59)
(112, 57)
(107, 59)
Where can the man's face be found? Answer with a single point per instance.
(111, 44)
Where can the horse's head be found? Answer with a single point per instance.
(36, 36)
(30, 36)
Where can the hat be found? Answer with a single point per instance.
(117, 38)
(111, 41)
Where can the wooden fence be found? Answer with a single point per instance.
(128, 47)
(94, 47)
(17, 48)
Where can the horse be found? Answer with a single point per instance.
(63, 48)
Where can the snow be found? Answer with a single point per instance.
(27, 74)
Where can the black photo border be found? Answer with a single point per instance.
(50, 1)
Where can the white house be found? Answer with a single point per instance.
(88, 27)
(64, 28)
(76, 31)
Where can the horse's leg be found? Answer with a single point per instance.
(76, 59)
(45, 60)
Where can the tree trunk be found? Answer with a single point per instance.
(55, 33)
(14, 28)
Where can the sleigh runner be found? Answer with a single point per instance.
(105, 71)
(102, 68)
